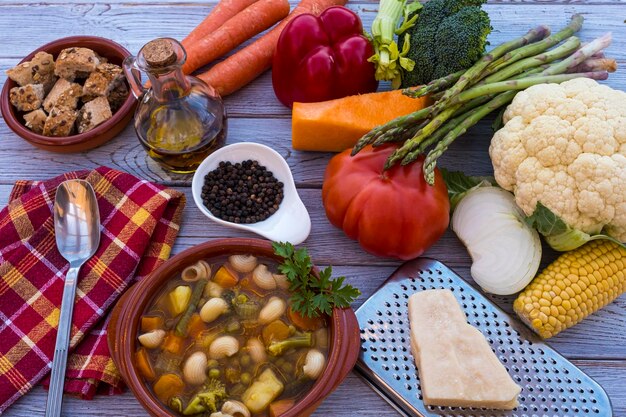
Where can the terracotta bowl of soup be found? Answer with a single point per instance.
(151, 306)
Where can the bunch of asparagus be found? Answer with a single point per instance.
(465, 97)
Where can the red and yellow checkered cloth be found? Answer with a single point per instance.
(140, 221)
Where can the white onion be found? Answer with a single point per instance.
(505, 251)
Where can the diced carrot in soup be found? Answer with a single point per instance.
(167, 386)
(149, 323)
(277, 408)
(142, 362)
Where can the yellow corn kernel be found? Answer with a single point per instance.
(577, 284)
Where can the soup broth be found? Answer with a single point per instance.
(221, 337)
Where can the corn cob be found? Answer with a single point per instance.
(574, 286)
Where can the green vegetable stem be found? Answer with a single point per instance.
(181, 328)
(298, 340)
(389, 59)
(559, 235)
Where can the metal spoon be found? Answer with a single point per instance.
(77, 230)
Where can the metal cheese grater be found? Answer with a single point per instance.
(551, 385)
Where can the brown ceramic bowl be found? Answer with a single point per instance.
(115, 53)
(122, 331)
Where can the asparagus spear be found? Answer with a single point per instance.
(435, 136)
(474, 72)
(505, 60)
(470, 99)
(510, 86)
(421, 147)
(434, 86)
(381, 134)
(473, 117)
(442, 111)
(389, 127)
(579, 56)
(538, 47)
(458, 117)
(589, 65)
(422, 134)
(418, 147)
(561, 51)
(506, 87)
(403, 135)
(523, 84)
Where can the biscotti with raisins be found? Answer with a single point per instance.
(75, 63)
(27, 98)
(94, 113)
(60, 122)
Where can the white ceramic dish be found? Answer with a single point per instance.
(290, 223)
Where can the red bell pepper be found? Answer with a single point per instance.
(323, 58)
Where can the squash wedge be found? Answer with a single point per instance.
(336, 125)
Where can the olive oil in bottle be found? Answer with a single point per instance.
(180, 119)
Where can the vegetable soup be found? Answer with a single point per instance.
(221, 338)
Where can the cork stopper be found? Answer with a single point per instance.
(159, 53)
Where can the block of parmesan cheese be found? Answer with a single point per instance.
(456, 366)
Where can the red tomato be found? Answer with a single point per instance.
(392, 213)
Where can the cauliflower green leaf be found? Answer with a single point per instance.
(559, 235)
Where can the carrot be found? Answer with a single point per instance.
(196, 325)
(143, 364)
(173, 343)
(278, 408)
(149, 323)
(225, 278)
(244, 66)
(223, 11)
(276, 330)
(303, 322)
(251, 21)
(167, 386)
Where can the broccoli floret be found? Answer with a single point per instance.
(299, 340)
(207, 398)
(450, 35)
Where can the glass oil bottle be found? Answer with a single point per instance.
(180, 119)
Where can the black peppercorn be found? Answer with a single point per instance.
(244, 192)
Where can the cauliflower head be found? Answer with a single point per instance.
(564, 146)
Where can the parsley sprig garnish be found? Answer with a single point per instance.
(312, 296)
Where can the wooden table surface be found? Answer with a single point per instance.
(598, 345)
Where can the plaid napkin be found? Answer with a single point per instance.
(140, 221)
